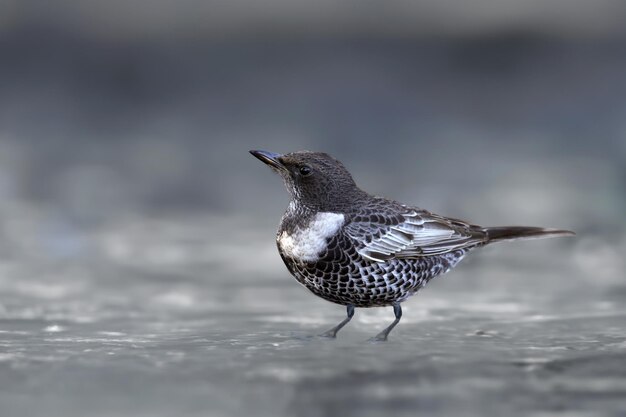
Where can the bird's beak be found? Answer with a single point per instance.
(269, 158)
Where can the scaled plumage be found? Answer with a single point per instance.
(359, 250)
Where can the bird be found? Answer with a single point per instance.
(359, 250)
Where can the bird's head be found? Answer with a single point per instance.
(314, 179)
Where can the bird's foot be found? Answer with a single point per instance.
(381, 337)
(330, 334)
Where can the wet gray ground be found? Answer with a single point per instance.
(509, 332)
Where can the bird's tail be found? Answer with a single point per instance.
(497, 234)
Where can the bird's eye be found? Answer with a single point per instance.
(305, 170)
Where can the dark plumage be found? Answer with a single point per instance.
(358, 250)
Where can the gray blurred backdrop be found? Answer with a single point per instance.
(112, 113)
(126, 188)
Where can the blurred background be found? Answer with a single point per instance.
(138, 271)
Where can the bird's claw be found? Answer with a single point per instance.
(378, 338)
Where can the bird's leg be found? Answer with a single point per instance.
(333, 332)
(382, 336)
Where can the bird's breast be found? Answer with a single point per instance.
(307, 242)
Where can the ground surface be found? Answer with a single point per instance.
(195, 338)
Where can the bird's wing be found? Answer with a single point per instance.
(407, 232)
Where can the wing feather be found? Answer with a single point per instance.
(409, 233)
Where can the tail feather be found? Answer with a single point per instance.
(495, 234)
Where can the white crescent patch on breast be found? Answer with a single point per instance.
(306, 244)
